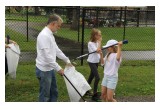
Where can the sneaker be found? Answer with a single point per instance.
(99, 93)
(96, 97)
(89, 93)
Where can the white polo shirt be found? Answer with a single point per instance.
(111, 65)
(47, 50)
(94, 57)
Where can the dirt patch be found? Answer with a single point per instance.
(136, 99)
(69, 47)
(150, 98)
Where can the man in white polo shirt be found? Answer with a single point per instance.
(46, 65)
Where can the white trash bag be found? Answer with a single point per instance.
(78, 81)
(12, 55)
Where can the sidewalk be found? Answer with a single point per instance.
(139, 55)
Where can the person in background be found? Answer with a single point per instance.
(7, 41)
(93, 59)
(46, 65)
(111, 63)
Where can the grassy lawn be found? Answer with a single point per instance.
(141, 38)
(31, 18)
(21, 40)
(135, 78)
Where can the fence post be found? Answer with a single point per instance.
(9, 11)
(78, 10)
(124, 33)
(82, 46)
(146, 18)
(27, 21)
(138, 12)
(97, 14)
(120, 14)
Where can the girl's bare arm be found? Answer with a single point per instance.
(119, 50)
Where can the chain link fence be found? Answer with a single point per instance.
(136, 24)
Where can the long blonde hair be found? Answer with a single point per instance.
(94, 32)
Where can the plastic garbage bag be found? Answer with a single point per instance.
(12, 55)
(78, 81)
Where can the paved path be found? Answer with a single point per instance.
(21, 27)
(139, 55)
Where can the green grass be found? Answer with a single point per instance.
(21, 40)
(31, 18)
(139, 81)
(142, 38)
(136, 78)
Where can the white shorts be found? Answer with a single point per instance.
(110, 81)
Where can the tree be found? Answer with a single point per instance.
(36, 10)
(48, 10)
(75, 19)
(18, 8)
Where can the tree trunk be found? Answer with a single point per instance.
(74, 25)
(36, 10)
